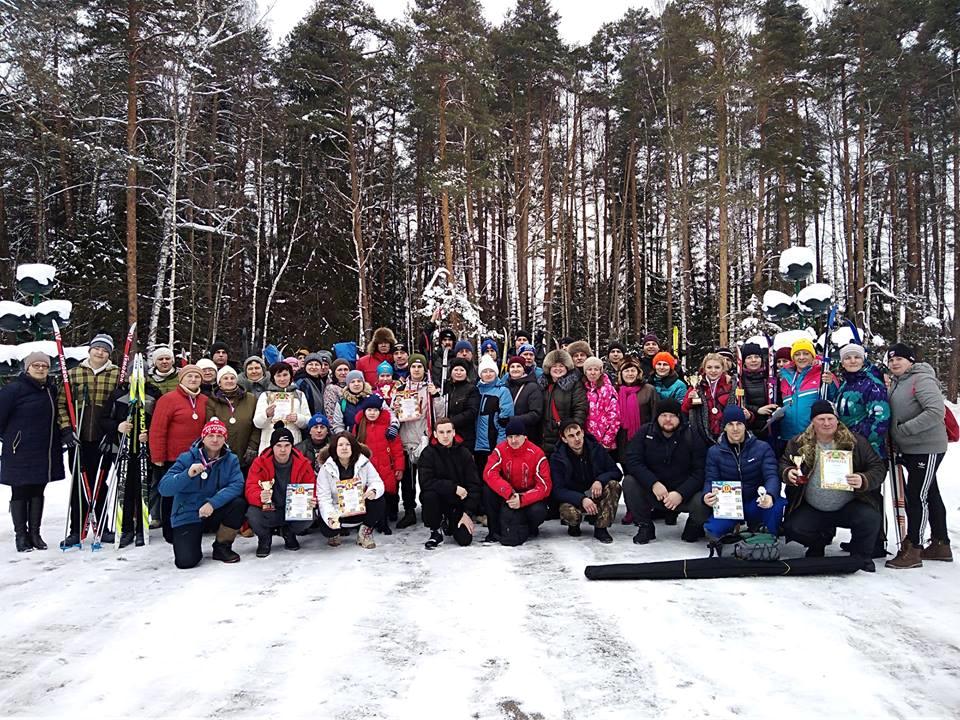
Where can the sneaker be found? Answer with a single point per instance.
(264, 545)
(126, 538)
(645, 533)
(365, 538)
(334, 541)
(908, 557)
(409, 519)
(602, 535)
(937, 550)
(139, 541)
(70, 541)
(573, 530)
(436, 539)
(290, 541)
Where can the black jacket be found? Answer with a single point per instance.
(441, 469)
(676, 461)
(30, 431)
(566, 487)
(463, 406)
(565, 399)
(756, 394)
(527, 403)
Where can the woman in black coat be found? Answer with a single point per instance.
(527, 397)
(463, 401)
(32, 451)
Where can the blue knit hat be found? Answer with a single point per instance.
(371, 401)
(463, 345)
(489, 344)
(526, 348)
(734, 413)
(384, 368)
(318, 419)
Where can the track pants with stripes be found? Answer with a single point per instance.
(924, 504)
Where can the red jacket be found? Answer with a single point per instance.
(262, 469)
(524, 471)
(368, 366)
(386, 455)
(173, 429)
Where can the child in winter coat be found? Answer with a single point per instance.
(496, 409)
(354, 393)
(603, 414)
(705, 403)
(665, 380)
(385, 381)
(373, 428)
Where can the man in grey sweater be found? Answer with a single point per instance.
(920, 442)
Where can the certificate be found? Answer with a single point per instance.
(283, 405)
(350, 500)
(407, 406)
(835, 465)
(730, 500)
(298, 502)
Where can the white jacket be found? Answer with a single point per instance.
(260, 419)
(327, 485)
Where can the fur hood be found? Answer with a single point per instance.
(381, 334)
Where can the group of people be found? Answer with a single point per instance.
(490, 439)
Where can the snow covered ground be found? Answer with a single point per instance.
(480, 632)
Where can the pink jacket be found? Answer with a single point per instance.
(603, 415)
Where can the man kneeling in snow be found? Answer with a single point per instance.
(273, 470)
(739, 457)
(450, 489)
(207, 490)
(586, 482)
(813, 511)
(518, 483)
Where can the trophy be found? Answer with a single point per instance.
(267, 485)
(693, 380)
(798, 461)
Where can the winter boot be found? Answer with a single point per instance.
(34, 516)
(290, 541)
(365, 538)
(409, 519)
(936, 550)
(384, 527)
(603, 535)
(263, 545)
(435, 540)
(70, 541)
(334, 541)
(574, 530)
(670, 517)
(223, 545)
(645, 532)
(692, 532)
(18, 510)
(627, 519)
(127, 538)
(908, 557)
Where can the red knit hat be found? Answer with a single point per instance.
(214, 427)
(665, 357)
(782, 353)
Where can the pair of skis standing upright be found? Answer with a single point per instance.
(132, 454)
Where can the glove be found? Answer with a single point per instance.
(68, 438)
(392, 432)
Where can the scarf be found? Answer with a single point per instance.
(629, 402)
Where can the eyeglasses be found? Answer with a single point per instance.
(39, 365)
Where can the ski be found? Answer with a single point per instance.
(123, 457)
(72, 417)
(143, 464)
(126, 354)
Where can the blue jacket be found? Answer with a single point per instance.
(30, 431)
(863, 407)
(224, 483)
(800, 390)
(496, 408)
(753, 466)
(669, 387)
(565, 487)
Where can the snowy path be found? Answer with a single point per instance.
(481, 632)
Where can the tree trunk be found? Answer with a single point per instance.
(132, 51)
(760, 249)
(721, 102)
(444, 195)
(913, 240)
(545, 163)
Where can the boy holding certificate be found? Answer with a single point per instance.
(737, 467)
(830, 472)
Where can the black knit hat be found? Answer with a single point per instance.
(669, 405)
(902, 351)
(822, 407)
(460, 362)
(748, 349)
(617, 345)
(217, 346)
(281, 434)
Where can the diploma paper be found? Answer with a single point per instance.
(730, 506)
(283, 405)
(407, 406)
(298, 499)
(835, 465)
(350, 497)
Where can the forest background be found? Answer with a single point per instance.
(169, 159)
